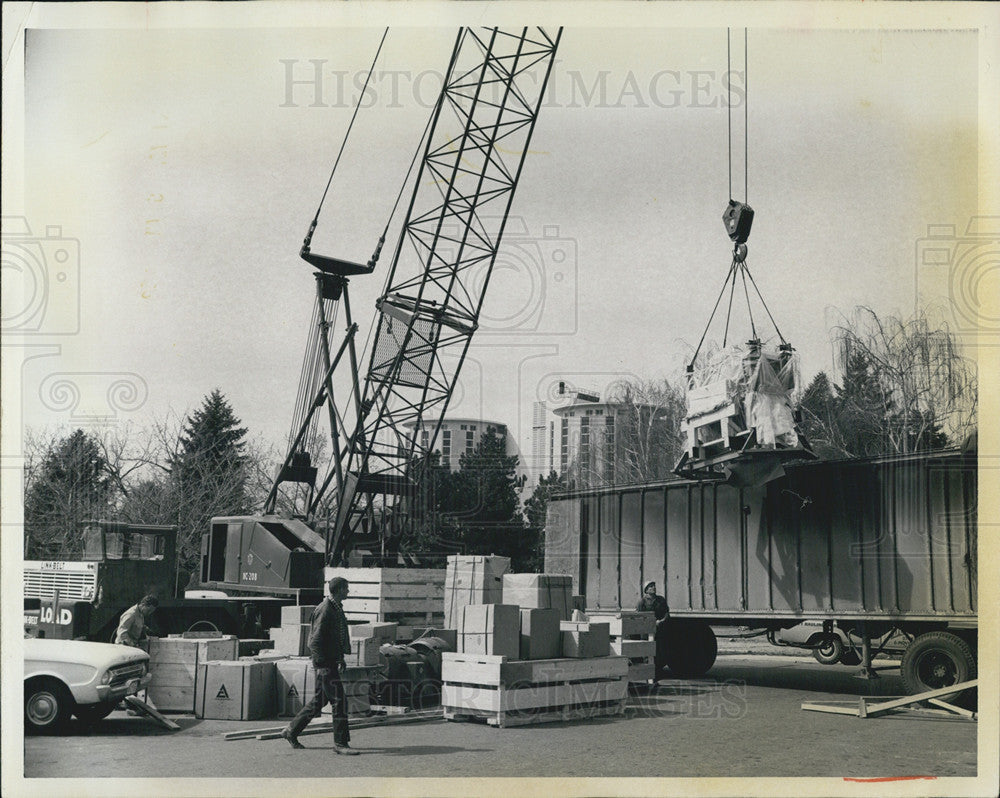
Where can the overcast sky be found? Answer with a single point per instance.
(188, 161)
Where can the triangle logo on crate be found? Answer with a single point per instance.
(223, 694)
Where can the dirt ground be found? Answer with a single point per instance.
(743, 721)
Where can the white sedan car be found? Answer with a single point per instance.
(75, 677)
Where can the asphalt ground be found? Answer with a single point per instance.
(742, 721)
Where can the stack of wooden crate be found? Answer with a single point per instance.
(542, 591)
(407, 596)
(292, 637)
(472, 579)
(366, 640)
(505, 693)
(174, 663)
(632, 634)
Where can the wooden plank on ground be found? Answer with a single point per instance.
(146, 709)
(874, 709)
(830, 708)
(968, 713)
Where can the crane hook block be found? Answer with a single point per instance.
(738, 219)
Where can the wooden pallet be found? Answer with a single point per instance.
(563, 714)
(513, 693)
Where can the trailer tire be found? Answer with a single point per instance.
(828, 651)
(691, 648)
(937, 659)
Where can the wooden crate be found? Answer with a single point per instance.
(634, 649)
(295, 685)
(540, 590)
(409, 596)
(632, 636)
(173, 663)
(292, 639)
(364, 651)
(235, 690)
(505, 693)
(626, 623)
(585, 639)
(472, 579)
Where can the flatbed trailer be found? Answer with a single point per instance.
(873, 545)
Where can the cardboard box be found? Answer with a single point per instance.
(173, 664)
(292, 640)
(582, 640)
(472, 579)
(490, 629)
(540, 634)
(542, 591)
(235, 690)
(297, 614)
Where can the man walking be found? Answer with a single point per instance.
(329, 642)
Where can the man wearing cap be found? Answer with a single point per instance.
(329, 642)
(650, 602)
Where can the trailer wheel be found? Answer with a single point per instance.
(691, 648)
(828, 651)
(937, 659)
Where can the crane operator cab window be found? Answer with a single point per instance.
(133, 546)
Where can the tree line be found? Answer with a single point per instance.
(902, 386)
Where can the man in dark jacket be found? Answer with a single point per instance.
(329, 642)
(650, 602)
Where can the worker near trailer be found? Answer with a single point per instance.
(132, 625)
(329, 642)
(651, 602)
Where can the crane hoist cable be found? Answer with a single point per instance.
(738, 216)
(305, 253)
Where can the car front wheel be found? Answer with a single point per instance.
(47, 706)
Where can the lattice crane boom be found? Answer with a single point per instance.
(476, 145)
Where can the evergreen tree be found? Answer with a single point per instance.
(212, 437)
(536, 511)
(486, 505)
(475, 510)
(209, 473)
(72, 485)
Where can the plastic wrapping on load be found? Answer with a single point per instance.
(755, 384)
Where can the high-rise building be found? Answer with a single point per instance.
(593, 443)
(458, 436)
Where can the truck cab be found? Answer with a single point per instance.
(116, 565)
